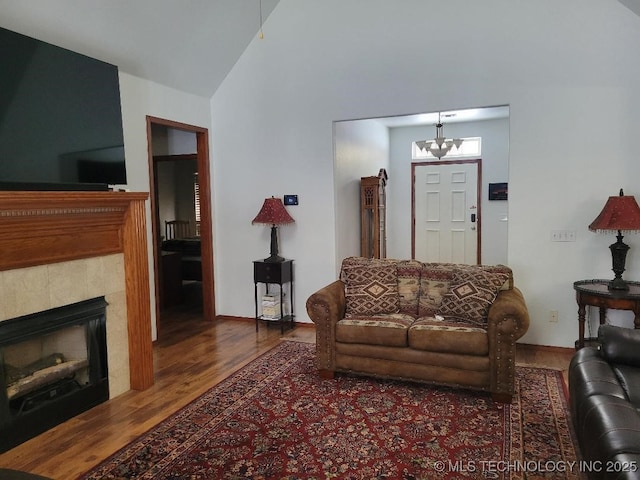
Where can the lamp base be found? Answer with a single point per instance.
(274, 259)
(618, 284)
(618, 256)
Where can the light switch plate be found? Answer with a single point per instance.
(563, 235)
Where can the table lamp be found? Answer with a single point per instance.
(620, 213)
(273, 213)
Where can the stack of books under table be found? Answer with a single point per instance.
(271, 307)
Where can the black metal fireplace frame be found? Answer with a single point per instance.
(16, 429)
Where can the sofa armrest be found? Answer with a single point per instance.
(508, 321)
(509, 314)
(325, 308)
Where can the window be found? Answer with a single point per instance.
(196, 202)
(471, 147)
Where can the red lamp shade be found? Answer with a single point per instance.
(273, 213)
(620, 213)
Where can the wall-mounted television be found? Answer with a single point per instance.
(60, 118)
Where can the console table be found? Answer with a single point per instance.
(596, 293)
(279, 273)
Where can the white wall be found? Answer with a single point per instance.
(564, 68)
(495, 168)
(139, 99)
(361, 150)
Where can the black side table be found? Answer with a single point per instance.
(279, 273)
(596, 293)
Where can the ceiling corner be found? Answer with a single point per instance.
(633, 5)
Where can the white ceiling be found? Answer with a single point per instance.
(633, 5)
(451, 116)
(188, 45)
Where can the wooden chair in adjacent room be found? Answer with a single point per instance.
(176, 229)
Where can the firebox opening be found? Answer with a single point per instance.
(53, 366)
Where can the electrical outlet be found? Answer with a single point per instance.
(553, 316)
(563, 235)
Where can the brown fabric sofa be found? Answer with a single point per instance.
(443, 323)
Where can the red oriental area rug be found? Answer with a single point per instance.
(276, 419)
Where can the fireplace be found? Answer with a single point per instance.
(43, 230)
(53, 366)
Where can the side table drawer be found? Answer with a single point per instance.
(267, 272)
(276, 272)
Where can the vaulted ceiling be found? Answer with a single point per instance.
(188, 45)
(633, 5)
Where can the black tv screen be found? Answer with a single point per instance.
(60, 118)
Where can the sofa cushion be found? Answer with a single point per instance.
(408, 272)
(349, 262)
(437, 334)
(371, 289)
(434, 285)
(389, 330)
(629, 378)
(471, 293)
(408, 286)
(498, 269)
(619, 344)
(609, 426)
(507, 285)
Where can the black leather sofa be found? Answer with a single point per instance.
(604, 389)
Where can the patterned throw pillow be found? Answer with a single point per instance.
(350, 262)
(471, 294)
(435, 279)
(508, 284)
(409, 286)
(371, 289)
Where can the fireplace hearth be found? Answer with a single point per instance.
(53, 366)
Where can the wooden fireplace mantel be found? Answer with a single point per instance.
(39, 228)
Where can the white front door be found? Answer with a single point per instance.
(446, 212)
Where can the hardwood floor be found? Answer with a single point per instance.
(191, 357)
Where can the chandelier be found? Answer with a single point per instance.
(439, 146)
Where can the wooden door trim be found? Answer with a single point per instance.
(206, 218)
(414, 165)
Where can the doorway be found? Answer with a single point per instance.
(190, 258)
(364, 145)
(446, 211)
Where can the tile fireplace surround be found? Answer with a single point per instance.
(36, 289)
(58, 248)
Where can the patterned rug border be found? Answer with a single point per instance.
(292, 349)
(225, 381)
